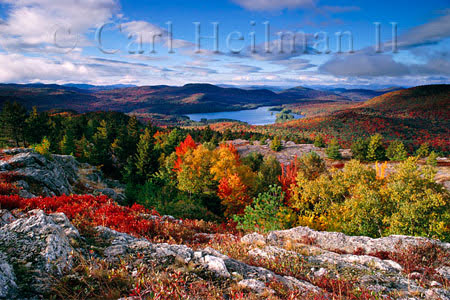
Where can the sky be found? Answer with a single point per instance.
(232, 42)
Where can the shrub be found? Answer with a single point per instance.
(318, 141)
(268, 174)
(432, 159)
(311, 165)
(333, 150)
(254, 160)
(276, 144)
(423, 151)
(396, 151)
(43, 148)
(421, 207)
(265, 214)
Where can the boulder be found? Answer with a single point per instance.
(38, 245)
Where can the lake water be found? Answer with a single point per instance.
(258, 116)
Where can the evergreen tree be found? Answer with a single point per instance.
(276, 144)
(37, 126)
(359, 149)
(333, 150)
(146, 157)
(100, 151)
(375, 148)
(396, 151)
(318, 141)
(83, 149)
(12, 118)
(423, 151)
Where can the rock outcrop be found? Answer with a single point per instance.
(36, 247)
(33, 248)
(55, 175)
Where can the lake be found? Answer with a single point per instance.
(258, 116)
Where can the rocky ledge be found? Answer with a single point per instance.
(54, 175)
(36, 249)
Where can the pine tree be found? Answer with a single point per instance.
(100, 152)
(423, 151)
(359, 149)
(83, 149)
(146, 157)
(318, 141)
(276, 144)
(333, 150)
(396, 151)
(375, 148)
(36, 126)
(12, 118)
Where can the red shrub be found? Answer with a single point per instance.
(88, 210)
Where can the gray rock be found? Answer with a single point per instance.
(252, 284)
(215, 264)
(8, 286)
(40, 244)
(339, 241)
(6, 217)
(56, 175)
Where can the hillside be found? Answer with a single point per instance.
(423, 102)
(415, 115)
(363, 94)
(302, 93)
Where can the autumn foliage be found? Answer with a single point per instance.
(87, 211)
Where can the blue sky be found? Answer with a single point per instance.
(57, 42)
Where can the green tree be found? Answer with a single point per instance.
(432, 159)
(146, 157)
(318, 141)
(276, 144)
(396, 151)
(253, 160)
(375, 148)
(268, 173)
(100, 152)
(266, 212)
(359, 149)
(333, 150)
(12, 118)
(36, 126)
(43, 148)
(423, 151)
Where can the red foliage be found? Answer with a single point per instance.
(185, 145)
(6, 185)
(232, 149)
(288, 177)
(181, 150)
(233, 193)
(87, 211)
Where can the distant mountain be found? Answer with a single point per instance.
(190, 98)
(362, 94)
(304, 93)
(97, 87)
(47, 97)
(163, 99)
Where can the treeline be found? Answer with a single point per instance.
(120, 144)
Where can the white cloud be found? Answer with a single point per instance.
(431, 32)
(149, 33)
(31, 24)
